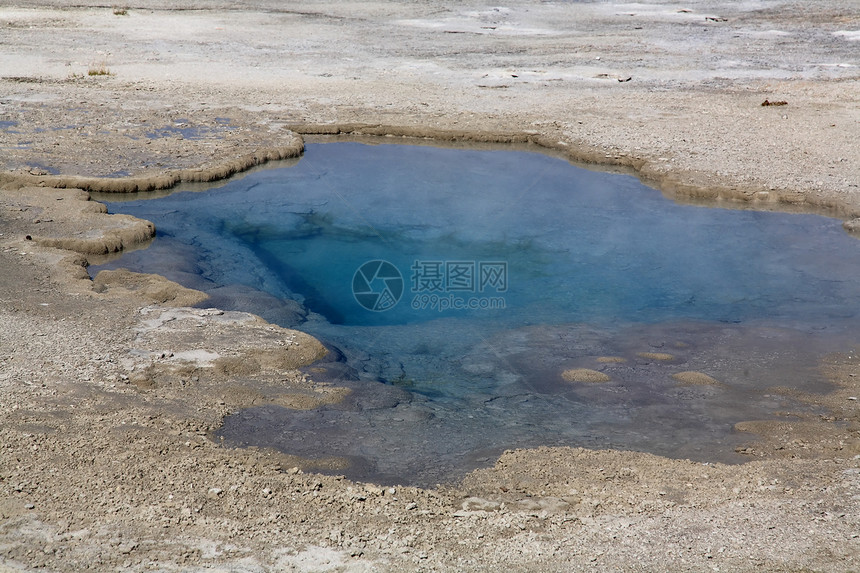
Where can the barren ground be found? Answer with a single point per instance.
(109, 389)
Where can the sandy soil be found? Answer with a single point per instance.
(109, 389)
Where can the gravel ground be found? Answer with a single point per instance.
(109, 389)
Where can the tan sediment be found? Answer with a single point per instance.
(112, 241)
(68, 220)
(834, 433)
(611, 359)
(253, 361)
(584, 375)
(153, 288)
(309, 401)
(325, 463)
(852, 226)
(661, 356)
(236, 358)
(800, 438)
(693, 378)
(167, 180)
(699, 188)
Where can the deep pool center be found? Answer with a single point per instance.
(479, 300)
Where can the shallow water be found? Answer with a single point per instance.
(371, 248)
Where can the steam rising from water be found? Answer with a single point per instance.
(600, 273)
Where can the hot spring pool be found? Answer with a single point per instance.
(455, 287)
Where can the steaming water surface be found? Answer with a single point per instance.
(556, 267)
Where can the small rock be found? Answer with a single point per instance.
(374, 490)
(214, 492)
(127, 547)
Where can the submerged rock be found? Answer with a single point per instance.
(693, 378)
(584, 375)
(662, 356)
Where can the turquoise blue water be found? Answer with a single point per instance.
(454, 286)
